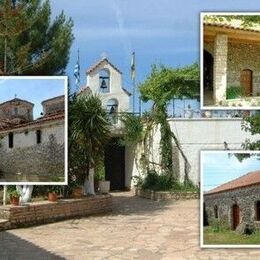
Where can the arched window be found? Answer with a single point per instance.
(104, 81)
(38, 136)
(112, 109)
(258, 211)
(216, 211)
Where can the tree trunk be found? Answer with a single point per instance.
(89, 183)
(26, 192)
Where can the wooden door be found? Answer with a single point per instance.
(235, 213)
(115, 165)
(246, 81)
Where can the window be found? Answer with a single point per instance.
(15, 110)
(38, 136)
(216, 211)
(11, 140)
(104, 81)
(258, 211)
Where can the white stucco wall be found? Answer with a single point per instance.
(195, 135)
(22, 140)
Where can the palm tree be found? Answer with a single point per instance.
(89, 131)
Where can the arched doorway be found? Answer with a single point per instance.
(235, 216)
(246, 81)
(208, 62)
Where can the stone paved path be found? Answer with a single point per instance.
(137, 229)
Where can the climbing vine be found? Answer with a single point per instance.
(161, 86)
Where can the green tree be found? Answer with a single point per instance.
(89, 132)
(161, 86)
(251, 124)
(247, 20)
(30, 43)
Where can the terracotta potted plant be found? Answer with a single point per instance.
(77, 192)
(52, 194)
(14, 197)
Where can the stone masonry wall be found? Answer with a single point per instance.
(245, 198)
(43, 161)
(241, 56)
(46, 212)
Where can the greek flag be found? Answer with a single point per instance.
(77, 72)
(133, 66)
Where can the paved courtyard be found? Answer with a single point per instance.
(136, 229)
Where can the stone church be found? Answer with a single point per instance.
(235, 203)
(32, 149)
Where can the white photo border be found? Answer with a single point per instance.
(202, 153)
(202, 106)
(65, 78)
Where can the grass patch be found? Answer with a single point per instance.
(229, 237)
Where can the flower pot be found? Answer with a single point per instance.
(77, 192)
(52, 196)
(14, 201)
(104, 186)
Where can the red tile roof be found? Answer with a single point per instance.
(249, 179)
(4, 126)
(229, 26)
(93, 67)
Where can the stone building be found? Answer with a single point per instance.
(230, 59)
(235, 203)
(32, 150)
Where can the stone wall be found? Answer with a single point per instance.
(165, 195)
(46, 212)
(245, 198)
(241, 56)
(34, 162)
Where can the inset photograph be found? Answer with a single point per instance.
(32, 130)
(229, 62)
(230, 199)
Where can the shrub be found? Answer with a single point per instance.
(162, 182)
(235, 92)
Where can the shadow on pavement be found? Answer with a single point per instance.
(128, 204)
(13, 247)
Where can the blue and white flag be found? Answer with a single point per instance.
(77, 72)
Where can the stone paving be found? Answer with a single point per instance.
(137, 229)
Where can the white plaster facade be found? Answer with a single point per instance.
(194, 135)
(115, 89)
(26, 136)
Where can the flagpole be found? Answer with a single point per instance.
(133, 78)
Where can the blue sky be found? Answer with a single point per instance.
(219, 168)
(165, 31)
(32, 90)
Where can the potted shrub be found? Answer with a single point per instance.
(77, 192)
(53, 194)
(14, 196)
(104, 186)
